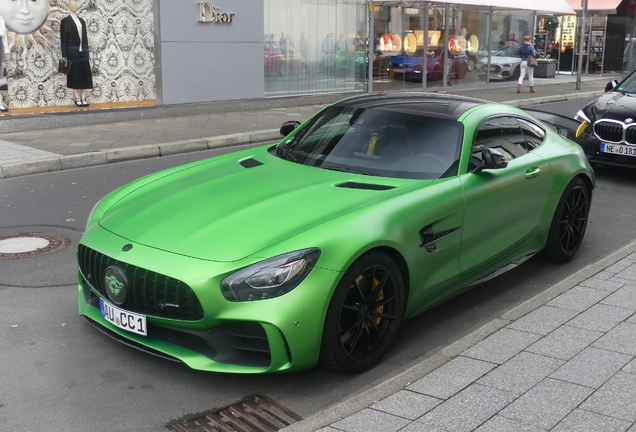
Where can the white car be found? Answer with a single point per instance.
(504, 64)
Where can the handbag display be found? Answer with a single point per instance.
(532, 62)
(64, 66)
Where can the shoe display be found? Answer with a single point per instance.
(85, 103)
(78, 103)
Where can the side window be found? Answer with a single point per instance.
(532, 133)
(501, 133)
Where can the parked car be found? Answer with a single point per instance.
(410, 67)
(504, 64)
(610, 135)
(274, 59)
(316, 248)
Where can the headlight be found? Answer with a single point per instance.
(506, 65)
(581, 116)
(94, 215)
(270, 278)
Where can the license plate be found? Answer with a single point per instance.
(132, 322)
(618, 149)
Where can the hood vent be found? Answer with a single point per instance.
(250, 163)
(367, 186)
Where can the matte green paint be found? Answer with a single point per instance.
(201, 222)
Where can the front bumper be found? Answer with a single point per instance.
(273, 335)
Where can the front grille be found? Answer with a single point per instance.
(609, 131)
(148, 293)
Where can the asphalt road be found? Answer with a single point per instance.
(58, 373)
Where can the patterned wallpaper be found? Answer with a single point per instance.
(121, 39)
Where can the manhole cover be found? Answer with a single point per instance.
(255, 413)
(30, 244)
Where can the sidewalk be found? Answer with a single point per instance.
(562, 361)
(66, 147)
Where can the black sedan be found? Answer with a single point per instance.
(610, 134)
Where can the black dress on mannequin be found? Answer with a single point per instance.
(80, 76)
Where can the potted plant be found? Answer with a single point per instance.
(546, 67)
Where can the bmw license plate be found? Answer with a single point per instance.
(132, 322)
(618, 149)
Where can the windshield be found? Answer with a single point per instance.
(628, 86)
(378, 142)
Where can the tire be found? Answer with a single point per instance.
(569, 223)
(516, 73)
(471, 63)
(363, 318)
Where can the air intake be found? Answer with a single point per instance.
(367, 186)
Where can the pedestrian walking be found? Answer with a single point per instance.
(526, 50)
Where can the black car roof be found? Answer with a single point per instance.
(421, 103)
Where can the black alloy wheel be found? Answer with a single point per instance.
(364, 315)
(569, 223)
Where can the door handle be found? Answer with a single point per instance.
(533, 172)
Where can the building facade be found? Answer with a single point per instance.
(170, 52)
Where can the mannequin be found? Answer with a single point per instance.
(4, 56)
(74, 41)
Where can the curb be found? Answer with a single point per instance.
(398, 382)
(166, 149)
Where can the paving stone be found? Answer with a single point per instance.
(616, 398)
(582, 421)
(369, 420)
(501, 346)
(547, 403)
(565, 342)
(603, 284)
(407, 404)
(521, 372)
(468, 409)
(621, 338)
(502, 424)
(621, 265)
(422, 426)
(629, 273)
(624, 297)
(630, 367)
(452, 377)
(592, 367)
(578, 298)
(601, 317)
(543, 320)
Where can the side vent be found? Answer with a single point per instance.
(367, 186)
(250, 163)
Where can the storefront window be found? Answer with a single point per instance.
(121, 52)
(468, 42)
(314, 47)
(508, 29)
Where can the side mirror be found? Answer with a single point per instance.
(288, 127)
(611, 85)
(491, 159)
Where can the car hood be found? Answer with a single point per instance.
(222, 210)
(615, 105)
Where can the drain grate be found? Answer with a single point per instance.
(30, 244)
(255, 413)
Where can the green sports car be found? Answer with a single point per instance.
(313, 250)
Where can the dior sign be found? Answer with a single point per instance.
(211, 13)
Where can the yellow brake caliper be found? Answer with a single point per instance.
(379, 309)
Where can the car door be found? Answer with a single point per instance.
(503, 206)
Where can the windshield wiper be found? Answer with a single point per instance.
(286, 153)
(349, 170)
